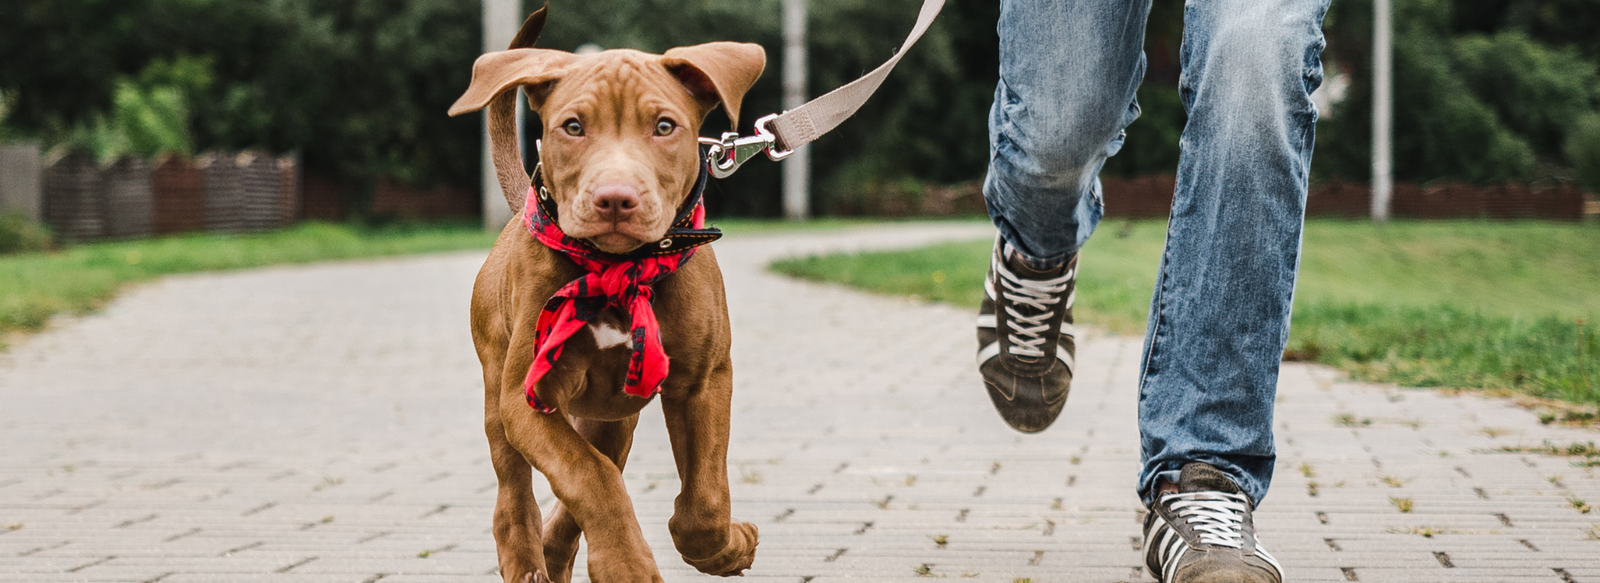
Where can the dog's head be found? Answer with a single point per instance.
(621, 128)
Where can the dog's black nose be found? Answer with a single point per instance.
(615, 202)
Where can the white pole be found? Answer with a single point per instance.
(500, 25)
(797, 168)
(1382, 113)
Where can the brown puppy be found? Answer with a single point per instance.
(619, 155)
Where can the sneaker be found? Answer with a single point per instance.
(1204, 534)
(1025, 338)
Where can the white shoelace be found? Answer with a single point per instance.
(1217, 517)
(1040, 294)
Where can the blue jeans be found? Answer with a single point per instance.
(1220, 316)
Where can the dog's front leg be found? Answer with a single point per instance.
(612, 439)
(702, 525)
(516, 511)
(589, 486)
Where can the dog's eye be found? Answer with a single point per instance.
(573, 128)
(665, 127)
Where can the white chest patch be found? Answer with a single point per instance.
(607, 336)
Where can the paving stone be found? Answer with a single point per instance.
(322, 423)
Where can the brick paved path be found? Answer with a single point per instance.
(322, 423)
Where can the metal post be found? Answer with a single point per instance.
(1382, 113)
(797, 168)
(500, 25)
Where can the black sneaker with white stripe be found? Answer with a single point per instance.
(1204, 533)
(1025, 338)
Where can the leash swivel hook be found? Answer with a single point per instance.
(731, 151)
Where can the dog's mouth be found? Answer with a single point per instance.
(617, 240)
(615, 237)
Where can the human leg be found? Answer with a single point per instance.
(1219, 318)
(1068, 72)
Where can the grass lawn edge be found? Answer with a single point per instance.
(1552, 360)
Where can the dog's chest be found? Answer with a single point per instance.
(608, 335)
(612, 333)
(602, 369)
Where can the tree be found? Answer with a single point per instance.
(1477, 96)
(1583, 149)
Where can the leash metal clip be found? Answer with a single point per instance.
(731, 151)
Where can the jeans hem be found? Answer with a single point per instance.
(1037, 263)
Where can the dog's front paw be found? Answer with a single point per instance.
(734, 558)
(530, 576)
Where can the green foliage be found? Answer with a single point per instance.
(1536, 91)
(1583, 150)
(1445, 129)
(1441, 128)
(1480, 93)
(360, 87)
(1560, 23)
(19, 235)
(145, 121)
(153, 120)
(1407, 302)
(153, 111)
(95, 135)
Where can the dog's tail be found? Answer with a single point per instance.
(495, 76)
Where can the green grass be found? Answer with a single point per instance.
(1465, 304)
(35, 286)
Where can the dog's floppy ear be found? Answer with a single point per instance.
(494, 73)
(719, 71)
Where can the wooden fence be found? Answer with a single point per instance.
(129, 198)
(324, 200)
(1151, 197)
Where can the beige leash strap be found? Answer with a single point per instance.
(778, 135)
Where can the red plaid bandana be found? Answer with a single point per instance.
(621, 281)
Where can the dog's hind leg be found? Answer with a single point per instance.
(702, 526)
(516, 511)
(612, 439)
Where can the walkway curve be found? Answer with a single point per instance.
(322, 423)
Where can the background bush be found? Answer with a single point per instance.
(1485, 90)
(18, 234)
(1583, 149)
